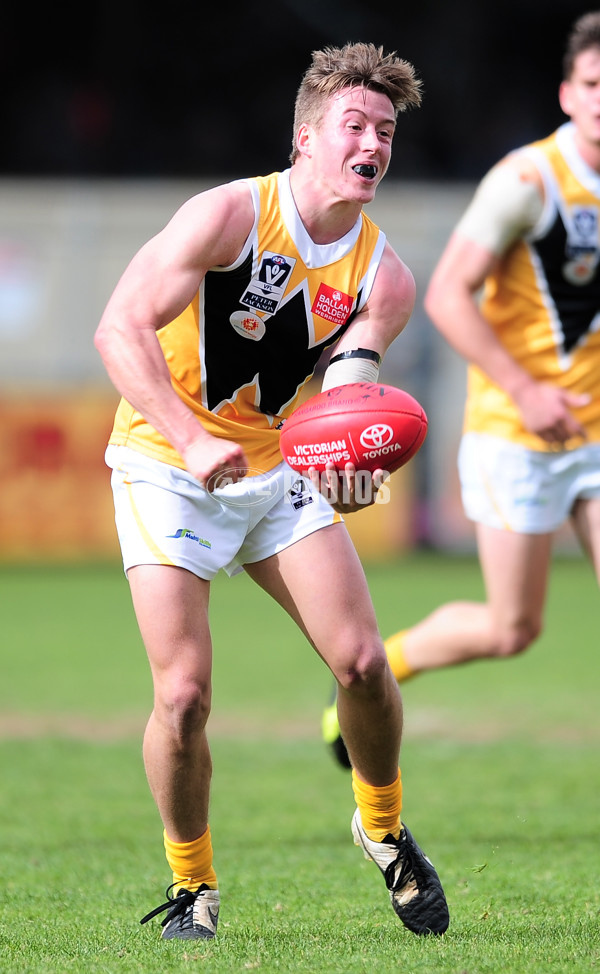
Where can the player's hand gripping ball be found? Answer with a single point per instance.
(371, 425)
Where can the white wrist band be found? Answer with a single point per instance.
(351, 369)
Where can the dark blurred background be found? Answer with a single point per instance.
(122, 88)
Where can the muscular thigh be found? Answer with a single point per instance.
(320, 582)
(171, 606)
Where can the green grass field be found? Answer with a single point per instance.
(500, 769)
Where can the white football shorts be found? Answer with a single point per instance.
(165, 517)
(505, 485)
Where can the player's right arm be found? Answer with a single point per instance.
(159, 283)
(507, 203)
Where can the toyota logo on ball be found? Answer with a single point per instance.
(376, 436)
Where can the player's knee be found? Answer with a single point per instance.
(185, 709)
(513, 640)
(367, 668)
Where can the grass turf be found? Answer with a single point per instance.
(499, 766)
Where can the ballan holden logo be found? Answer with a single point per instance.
(333, 305)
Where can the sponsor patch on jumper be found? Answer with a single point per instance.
(333, 305)
(581, 249)
(267, 287)
(248, 325)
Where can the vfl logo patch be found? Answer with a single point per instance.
(299, 495)
(582, 245)
(186, 533)
(267, 287)
(333, 305)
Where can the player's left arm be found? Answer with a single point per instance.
(387, 309)
(384, 316)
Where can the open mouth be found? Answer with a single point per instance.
(369, 172)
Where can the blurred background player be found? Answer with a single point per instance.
(209, 336)
(529, 457)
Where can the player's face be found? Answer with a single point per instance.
(580, 96)
(352, 146)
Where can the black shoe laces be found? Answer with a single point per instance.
(407, 872)
(414, 865)
(176, 905)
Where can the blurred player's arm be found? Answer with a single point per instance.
(507, 203)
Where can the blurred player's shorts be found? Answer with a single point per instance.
(507, 486)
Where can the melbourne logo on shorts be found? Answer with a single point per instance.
(186, 533)
(333, 305)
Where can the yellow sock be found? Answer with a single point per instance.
(395, 654)
(379, 808)
(191, 862)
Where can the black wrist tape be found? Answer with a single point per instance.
(367, 353)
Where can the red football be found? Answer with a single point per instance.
(366, 423)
